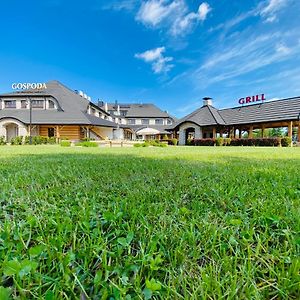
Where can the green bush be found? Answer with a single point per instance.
(65, 143)
(219, 141)
(2, 140)
(52, 140)
(163, 145)
(190, 142)
(174, 142)
(204, 142)
(264, 142)
(137, 145)
(87, 144)
(18, 140)
(286, 141)
(227, 142)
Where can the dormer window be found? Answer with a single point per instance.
(159, 122)
(51, 104)
(10, 104)
(23, 104)
(123, 113)
(131, 121)
(37, 103)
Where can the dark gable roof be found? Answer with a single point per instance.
(278, 110)
(144, 110)
(204, 116)
(73, 108)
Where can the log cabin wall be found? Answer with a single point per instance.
(72, 132)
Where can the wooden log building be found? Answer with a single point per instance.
(209, 122)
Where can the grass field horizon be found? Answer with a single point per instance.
(149, 223)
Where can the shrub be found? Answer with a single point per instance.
(87, 139)
(18, 140)
(137, 145)
(154, 143)
(87, 144)
(286, 141)
(265, 142)
(204, 142)
(173, 142)
(65, 143)
(219, 141)
(227, 142)
(2, 140)
(162, 145)
(52, 140)
(190, 142)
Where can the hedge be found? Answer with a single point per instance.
(265, 142)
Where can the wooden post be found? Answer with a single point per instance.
(214, 132)
(263, 131)
(57, 134)
(240, 133)
(250, 135)
(290, 129)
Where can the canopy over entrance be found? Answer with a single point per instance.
(148, 131)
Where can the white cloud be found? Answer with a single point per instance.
(241, 55)
(159, 62)
(266, 9)
(173, 15)
(246, 56)
(203, 11)
(283, 49)
(119, 5)
(183, 23)
(270, 8)
(154, 12)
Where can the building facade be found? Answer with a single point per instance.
(142, 121)
(59, 112)
(54, 112)
(209, 122)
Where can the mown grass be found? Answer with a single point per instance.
(141, 223)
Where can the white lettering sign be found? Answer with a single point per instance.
(27, 86)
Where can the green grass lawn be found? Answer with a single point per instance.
(149, 223)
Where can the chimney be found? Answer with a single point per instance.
(106, 107)
(207, 101)
(100, 103)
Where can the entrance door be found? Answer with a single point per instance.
(189, 134)
(11, 131)
(51, 132)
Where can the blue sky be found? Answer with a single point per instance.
(169, 52)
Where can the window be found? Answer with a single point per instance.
(51, 132)
(159, 122)
(23, 104)
(145, 121)
(37, 103)
(51, 104)
(131, 121)
(123, 113)
(169, 121)
(10, 104)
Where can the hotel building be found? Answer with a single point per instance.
(57, 111)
